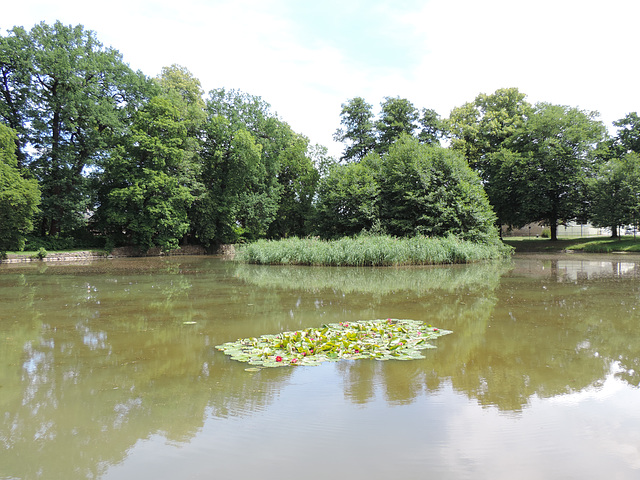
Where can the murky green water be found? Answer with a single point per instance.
(100, 376)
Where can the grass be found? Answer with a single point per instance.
(369, 250)
(579, 244)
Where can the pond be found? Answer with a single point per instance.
(108, 370)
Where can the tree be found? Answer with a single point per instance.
(510, 192)
(628, 135)
(241, 162)
(615, 193)
(430, 190)
(349, 198)
(141, 200)
(398, 117)
(431, 127)
(413, 189)
(67, 97)
(298, 178)
(358, 129)
(558, 143)
(480, 128)
(19, 197)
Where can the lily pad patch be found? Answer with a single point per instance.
(389, 339)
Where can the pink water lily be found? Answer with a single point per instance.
(278, 358)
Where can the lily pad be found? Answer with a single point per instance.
(389, 339)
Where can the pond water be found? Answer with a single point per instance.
(108, 371)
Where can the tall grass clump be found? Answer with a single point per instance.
(370, 250)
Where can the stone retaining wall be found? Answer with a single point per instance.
(226, 250)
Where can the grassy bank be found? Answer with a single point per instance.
(577, 244)
(369, 250)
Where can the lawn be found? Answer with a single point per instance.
(581, 244)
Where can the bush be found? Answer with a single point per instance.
(414, 189)
(546, 233)
(41, 253)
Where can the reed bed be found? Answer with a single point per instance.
(370, 250)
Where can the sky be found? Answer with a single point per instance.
(307, 58)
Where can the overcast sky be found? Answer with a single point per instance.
(306, 58)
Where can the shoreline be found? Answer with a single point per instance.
(120, 252)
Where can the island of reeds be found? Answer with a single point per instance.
(370, 250)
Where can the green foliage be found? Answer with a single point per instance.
(481, 127)
(398, 117)
(429, 190)
(141, 199)
(67, 96)
(546, 233)
(356, 118)
(615, 193)
(298, 180)
(627, 138)
(558, 143)
(19, 196)
(389, 339)
(41, 253)
(370, 250)
(363, 133)
(414, 189)
(255, 172)
(348, 199)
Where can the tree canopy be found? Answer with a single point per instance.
(19, 196)
(94, 150)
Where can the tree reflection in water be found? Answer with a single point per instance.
(98, 357)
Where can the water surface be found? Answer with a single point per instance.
(108, 371)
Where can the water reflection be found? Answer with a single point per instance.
(97, 357)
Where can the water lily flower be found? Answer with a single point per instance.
(294, 360)
(278, 358)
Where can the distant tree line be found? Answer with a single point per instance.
(94, 153)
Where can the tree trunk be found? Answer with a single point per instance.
(614, 231)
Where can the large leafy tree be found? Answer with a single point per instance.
(431, 190)
(178, 85)
(558, 144)
(19, 197)
(241, 160)
(481, 127)
(298, 178)
(397, 117)
(66, 96)
(141, 199)
(349, 198)
(615, 193)
(627, 138)
(357, 130)
(412, 189)
(363, 132)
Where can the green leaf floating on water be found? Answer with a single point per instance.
(389, 339)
